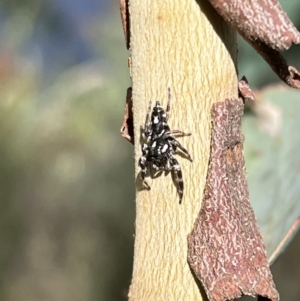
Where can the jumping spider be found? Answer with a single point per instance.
(161, 145)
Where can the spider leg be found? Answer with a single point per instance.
(157, 169)
(178, 132)
(168, 104)
(176, 170)
(144, 169)
(146, 130)
(176, 144)
(143, 165)
(147, 122)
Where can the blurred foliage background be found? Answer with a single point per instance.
(67, 176)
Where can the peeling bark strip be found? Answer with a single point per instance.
(225, 248)
(127, 126)
(124, 11)
(245, 91)
(264, 20)
(265, 25)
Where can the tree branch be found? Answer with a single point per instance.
(185, 46)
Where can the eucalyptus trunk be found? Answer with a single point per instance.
(187, 47)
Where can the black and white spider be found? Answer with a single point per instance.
(161, 145)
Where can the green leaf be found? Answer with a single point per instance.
(272, 144)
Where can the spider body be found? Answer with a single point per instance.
(161, 145)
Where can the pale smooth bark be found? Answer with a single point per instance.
(186, 46)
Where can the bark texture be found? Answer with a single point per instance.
(226, 249)
(265, 25)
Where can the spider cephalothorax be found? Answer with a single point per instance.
(161, 145)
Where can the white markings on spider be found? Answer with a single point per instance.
(164, 148)
(177, 167)
(161, 146)
(155, 120)
(155, 167)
